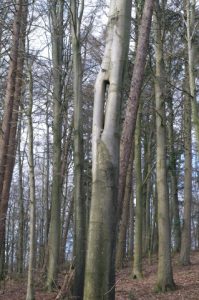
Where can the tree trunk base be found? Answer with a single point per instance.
(165, 287)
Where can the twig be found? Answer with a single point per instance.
(112, 287)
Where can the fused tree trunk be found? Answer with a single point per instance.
(165, 275)
(10, 116)
(79, 199)
(133, 101)
(30, 285)
(56, 16)
(100, 260)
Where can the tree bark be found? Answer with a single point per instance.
(21, 207)
(30, 285)
(133, 101)
(56, 16)
(174, 180)
(137, 262)
(10, 117)
(79, 198)
(121, 242)
(165, 276)
(186, 224)
(100, 261)
(190, 6)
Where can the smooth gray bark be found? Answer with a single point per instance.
(165, 275)
(100, 261)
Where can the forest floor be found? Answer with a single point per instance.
(186, 279)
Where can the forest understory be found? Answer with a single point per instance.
(186, 279)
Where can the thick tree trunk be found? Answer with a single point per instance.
(100, 262)
(165, 275)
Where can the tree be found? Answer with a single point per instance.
(189, 109)
(133, 101)
(20, 249)
(79, 198)
(137, 262)
(56, 17)
(189, 11)
(10, 116)
(100, 260)
(126, 218)
(30, 286)
(165, 276)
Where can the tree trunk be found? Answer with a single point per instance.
(165, 276)
(21, 206)
(137, 262)
(189, 9)
(133, 101)
(10, 117)
(100, 261)
(79, 198)
(121, 243)
(56, 15)
(174, 180)
(186, 224)
(30, 286)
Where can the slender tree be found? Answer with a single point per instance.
(30, 286)
(165, 275)
(77, 9)
(56, 18)
(189, 109)
(137, 262)
(10, 116)
(133, 101)
(122, 236)
(21, 205)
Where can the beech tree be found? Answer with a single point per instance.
(56, 16)
(10, 116)
(133, 100)
(30, 286)
(77, 10)
(100, 260)
(165, 275)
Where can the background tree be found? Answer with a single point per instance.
(165, 275)
(56, 16)
(10, 116)
(77, 10)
